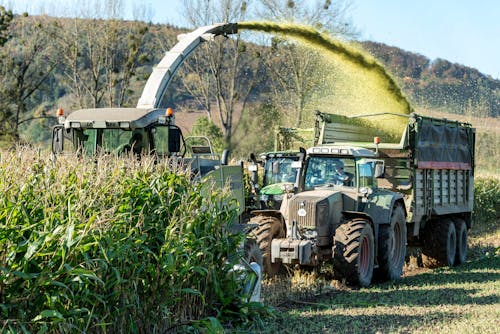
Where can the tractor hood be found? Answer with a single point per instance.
(315, 213)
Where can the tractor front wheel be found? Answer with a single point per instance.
(392, 246)
(354, 252)
(268, 228)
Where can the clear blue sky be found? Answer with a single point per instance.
(461, 31)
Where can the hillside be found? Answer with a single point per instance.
(439, 84)
(76, 63)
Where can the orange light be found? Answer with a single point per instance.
(376, 140)
(170, 112)
(59, 112)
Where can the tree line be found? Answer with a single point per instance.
(241, 84)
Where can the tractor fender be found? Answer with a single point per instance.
(272, 213)
(348, 215)
(381, 204)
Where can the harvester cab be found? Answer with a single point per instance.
(118, 131)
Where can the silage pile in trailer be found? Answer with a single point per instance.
(110, 245)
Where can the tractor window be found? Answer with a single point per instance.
(329, 171)
(365, 171)
(279, 169)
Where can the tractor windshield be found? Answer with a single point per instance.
(279, 169)
(328, 171)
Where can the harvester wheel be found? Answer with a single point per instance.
(268, 229)
(392, 246)
(439, 244)
(461, 230)
(354, 252)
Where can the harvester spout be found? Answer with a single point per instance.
(163, 73)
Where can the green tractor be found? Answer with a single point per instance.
(279, 174)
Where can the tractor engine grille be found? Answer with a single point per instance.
(308, 211)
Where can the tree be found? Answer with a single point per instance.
(6, 17)
(222, 76)
(325, 15)
(27, 62)
(100, 56)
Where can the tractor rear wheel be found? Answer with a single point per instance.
(439, 244)
(461, 230)
(392, 246)
(268, 228)
(354, 252)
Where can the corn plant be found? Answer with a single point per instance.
(111, 245)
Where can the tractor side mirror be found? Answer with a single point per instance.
(379, 169)
(58, 139)
(174, 140)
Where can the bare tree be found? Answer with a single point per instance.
(26, 63)
(220, 74)
(326, 15)
(100, 58)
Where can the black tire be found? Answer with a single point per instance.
(268, 228)
(461, 231)
(439, 244)
(392, 246)
(252, 252)
(354, 252)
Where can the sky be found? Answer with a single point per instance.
(461, 31)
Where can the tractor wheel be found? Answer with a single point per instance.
(439, 244)
(392, 246)
(354, 252)
(252, 252)
(268, 228)
(461, 230)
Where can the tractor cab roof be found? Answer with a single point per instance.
(341, 150)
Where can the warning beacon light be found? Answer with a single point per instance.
(376, 141)
(60, 115)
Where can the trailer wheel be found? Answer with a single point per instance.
(461, 230)
(392, 246)
(268, 228)
(440, 244)
(354, 252)
(252, 252)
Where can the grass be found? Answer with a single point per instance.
(464, 299)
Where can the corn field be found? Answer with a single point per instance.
(111, 246)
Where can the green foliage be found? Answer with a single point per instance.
(486, 202)
(204, 126)
(256, 130)
(6, 17)
(111, 246)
